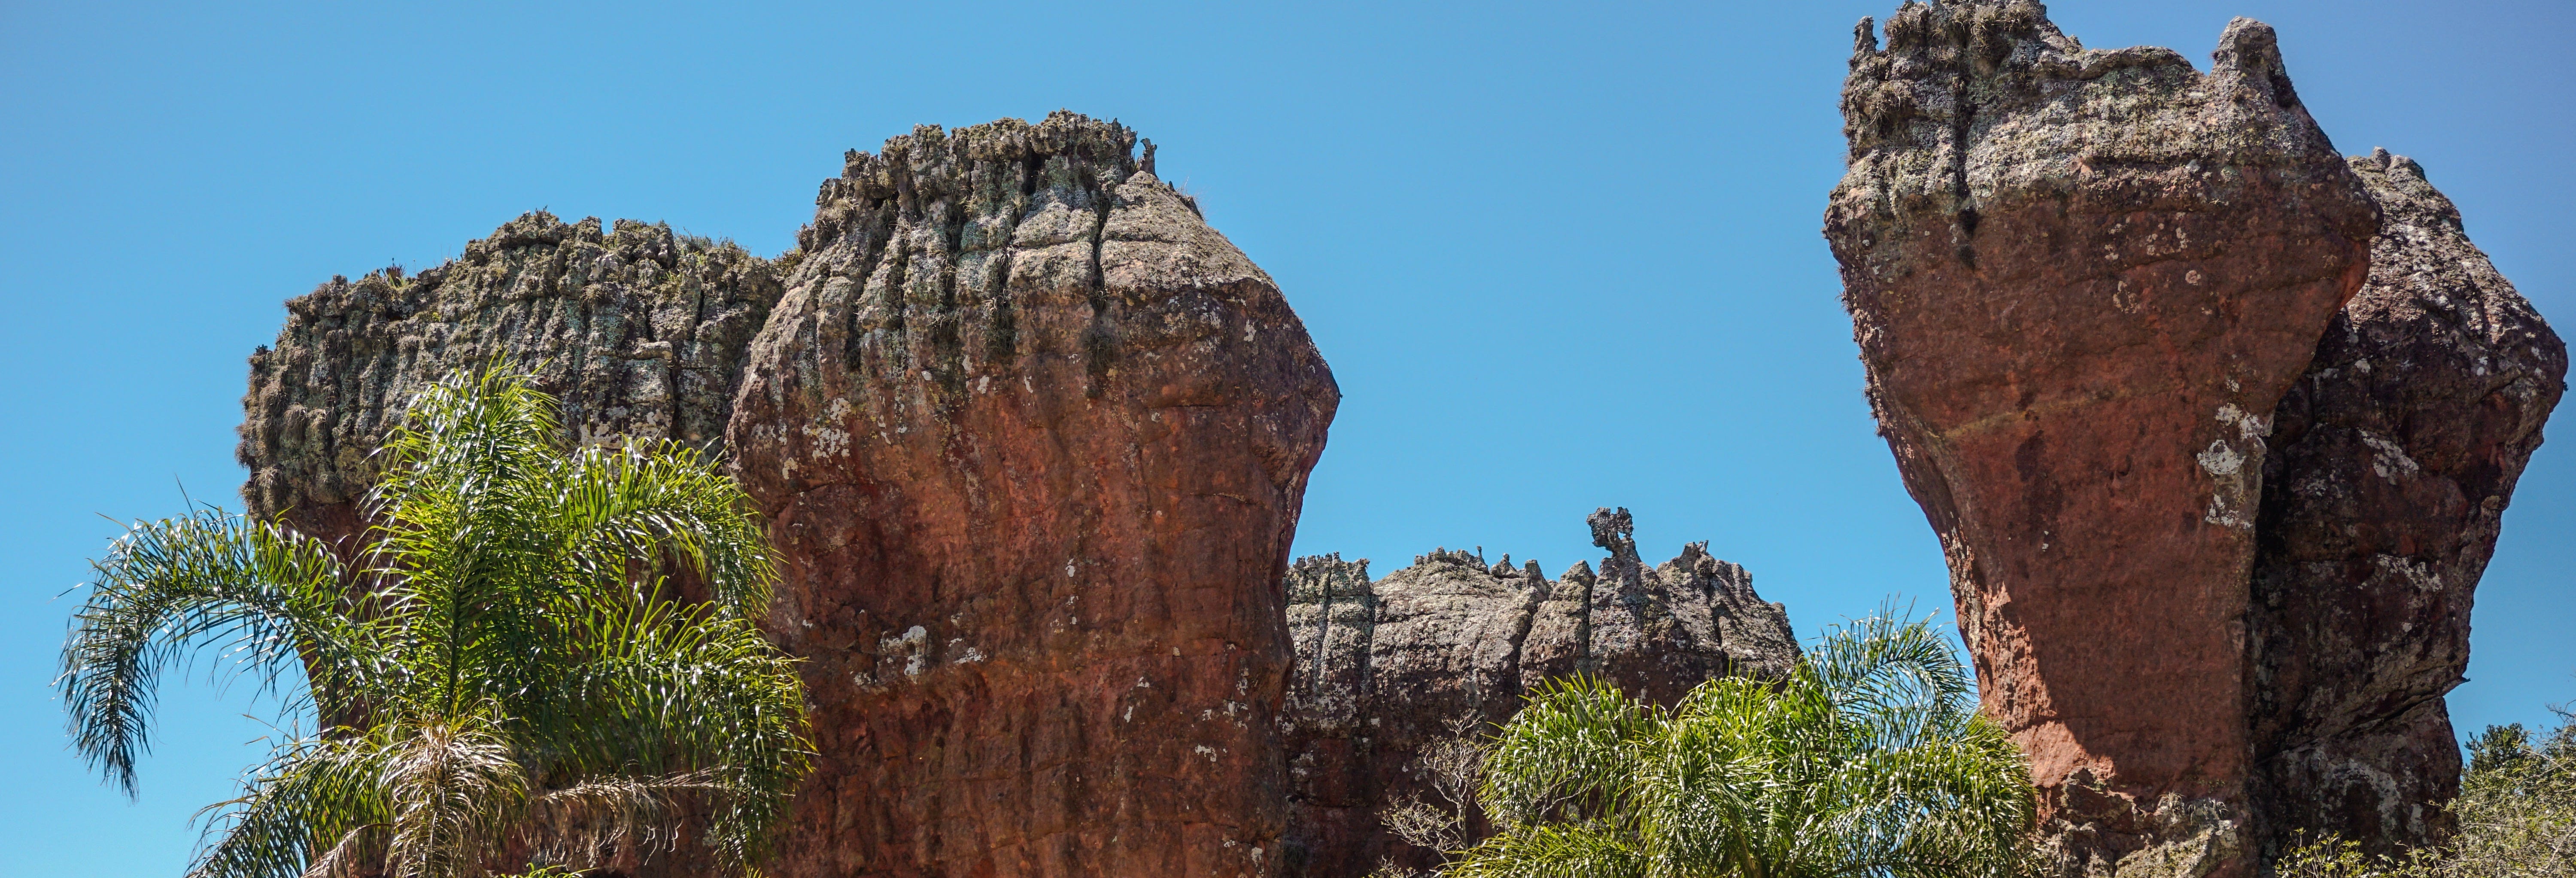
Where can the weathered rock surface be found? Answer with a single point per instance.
(1033, 439)
(1383, 668)
(2392, 460)
(2214, 569)
(638, 332)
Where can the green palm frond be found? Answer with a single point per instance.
(316, 797)
(504, 668)
(170, 588)
(1567, 753)
(1556, 850)
(678, 689)
(614, 506)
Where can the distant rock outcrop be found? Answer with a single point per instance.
(1383, 668)
(2102, 299)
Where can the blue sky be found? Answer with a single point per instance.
(1559, 257)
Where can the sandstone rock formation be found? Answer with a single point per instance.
(1383, 668)
(2088, 287)
(1033, 439)
(2391, 463)
(638, 331)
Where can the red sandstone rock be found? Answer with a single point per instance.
(1033, 437)
(2213, 520)
(2081, 281)
(1033, 440)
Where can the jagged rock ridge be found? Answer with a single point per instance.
(2102, 300)
(1383, 668)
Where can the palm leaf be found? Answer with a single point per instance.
(503, 669)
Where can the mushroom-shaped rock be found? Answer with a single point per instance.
(1032, 438)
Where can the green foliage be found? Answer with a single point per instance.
(2516, 815)
(504, 663)
(2333, 857)
(1869, 760)
(2517, 807)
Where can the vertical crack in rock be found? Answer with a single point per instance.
(2391, 464)
(2215, 455)
(1451, 637)
(1033, 439)
(2081, 280)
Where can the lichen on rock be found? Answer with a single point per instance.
(2080, 281)
(2391, 463)
(1032, 439)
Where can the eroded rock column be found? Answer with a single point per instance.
(1033, 438)
(2081, 281)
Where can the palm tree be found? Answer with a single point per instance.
(503, 671)
(1869, 760)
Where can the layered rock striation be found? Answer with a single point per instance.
(1032, 438)
(639, 332)
(1452, 643)
(2102, 299)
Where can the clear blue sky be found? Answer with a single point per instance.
(1558, 257)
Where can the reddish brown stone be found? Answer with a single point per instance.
(2213, 520)
(1033, 440)
(2081, 281)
